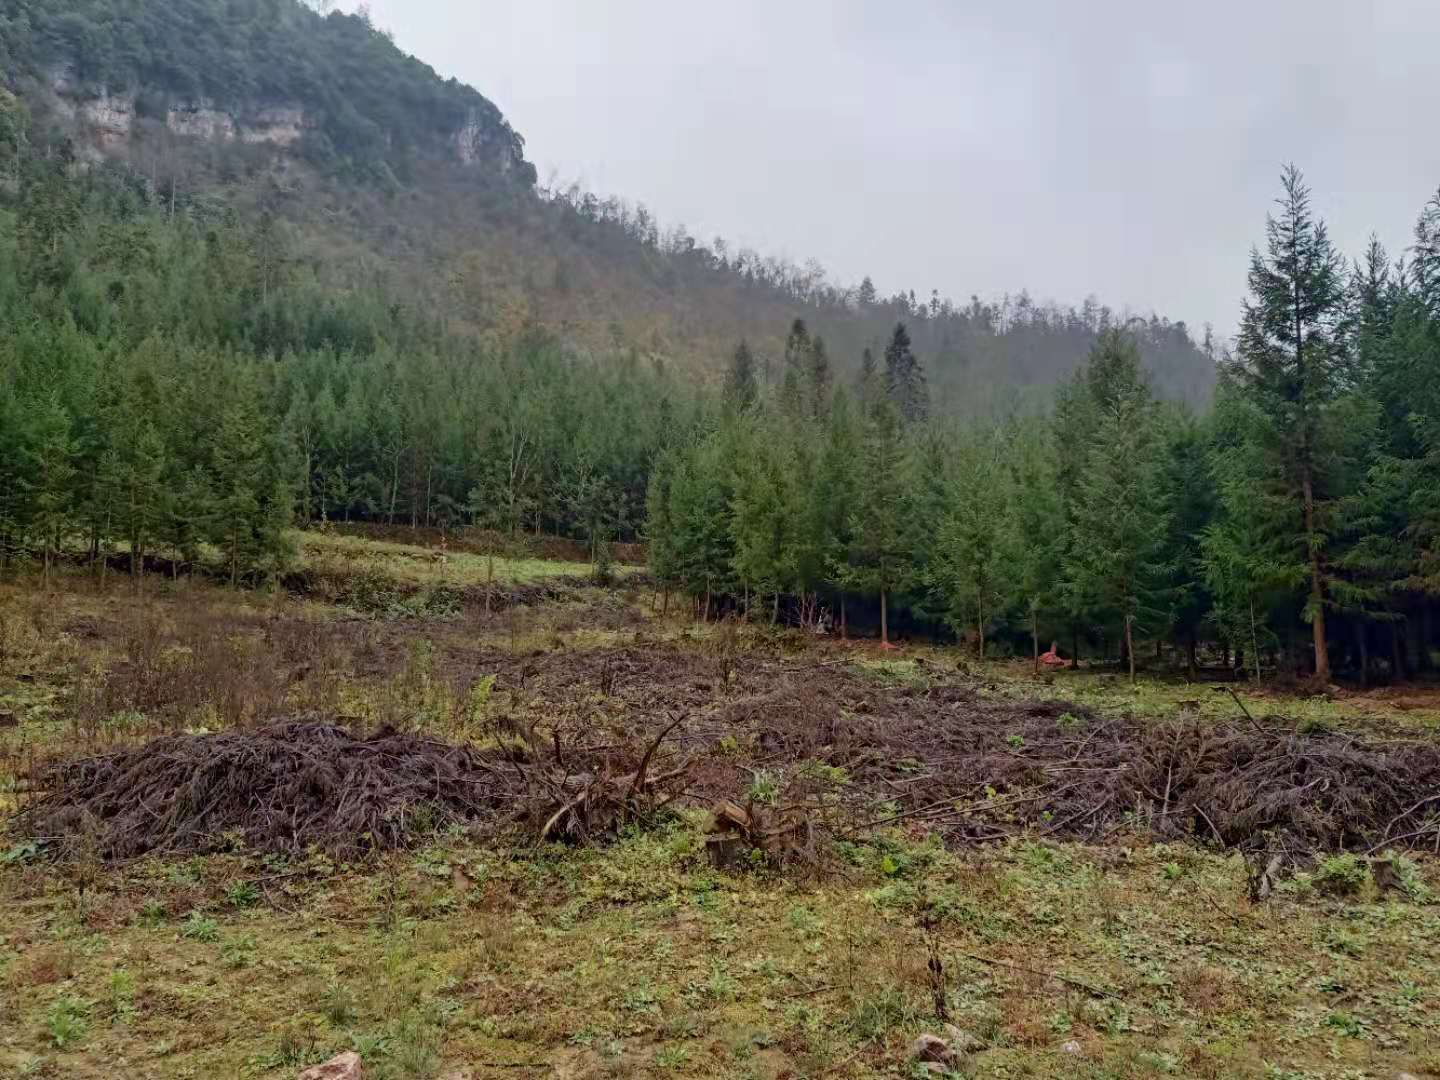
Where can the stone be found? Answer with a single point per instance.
(201, 120)
(930, 1048)
(1387, 876)
(1072, 1047)
(344, 1066)
(962, 1041)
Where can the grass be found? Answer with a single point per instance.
(639, 959)
(419, 566)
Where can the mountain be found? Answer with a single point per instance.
(383, 179)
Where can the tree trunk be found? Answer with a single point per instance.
(775, 610)
(980, 628)
(1362, 641)
(884, 620)
(1130, 646)
(394, 485)
(1255, 640)
(844, 626)
(1035, 637)
(1074, 648)
(1424, 635)
(1317, 585)
(1398, 649)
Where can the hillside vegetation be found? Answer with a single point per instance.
(214, 337)
(417, 187)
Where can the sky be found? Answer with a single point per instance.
(1126, 149)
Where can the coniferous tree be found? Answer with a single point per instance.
(877, 561)
(51, 476)
(1243, 562)
(1035, 538)
(1115, 562)
(763, 522)
(905, 378)
(972, 564)
(1294, 366)
(820, 379)
(741, 386)
(835, 495)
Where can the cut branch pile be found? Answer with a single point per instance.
(299, 785)
(803, 754)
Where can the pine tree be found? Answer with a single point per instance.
(1114, 565)
(51, 476)
(834, 495)
(972, 565)
(660, 539)
(1294, 366)
(877, 562)
(905, 378)
(797, 348)
(1184, 476)
(741, 386)
(1035, 537)
(763, 524)
(238, 469)
(143, 499)
(1243, 562)
(820, 379)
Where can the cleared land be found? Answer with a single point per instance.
(918, 838)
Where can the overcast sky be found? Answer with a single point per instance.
(1126, 148)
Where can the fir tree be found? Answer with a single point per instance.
(1294, 366)
(1115, 562)
(972, 564)
(51, 476)
(905, 378)
(877, 562)
(741, 386)
(1035, 528)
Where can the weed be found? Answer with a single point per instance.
(877, 1014)
(803, 920)
(764, 787)
(238, 952)
(122, 996)
(337, 1005)
(672, 1056)
(67, 1021)
(1343, 942)
(720, 985)
(413, 1050)
(20, 853)
(199, 927)
(242, 894)
(1341, 875)
(1346, 1024)
(152, 913)
(640, 998)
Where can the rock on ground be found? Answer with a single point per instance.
(344, 1066)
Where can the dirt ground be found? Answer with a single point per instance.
(1070, 872)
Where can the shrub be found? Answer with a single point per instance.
(1342, 875)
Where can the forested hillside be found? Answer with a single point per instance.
(1293, 524)
(389, 178)
(214, 334)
